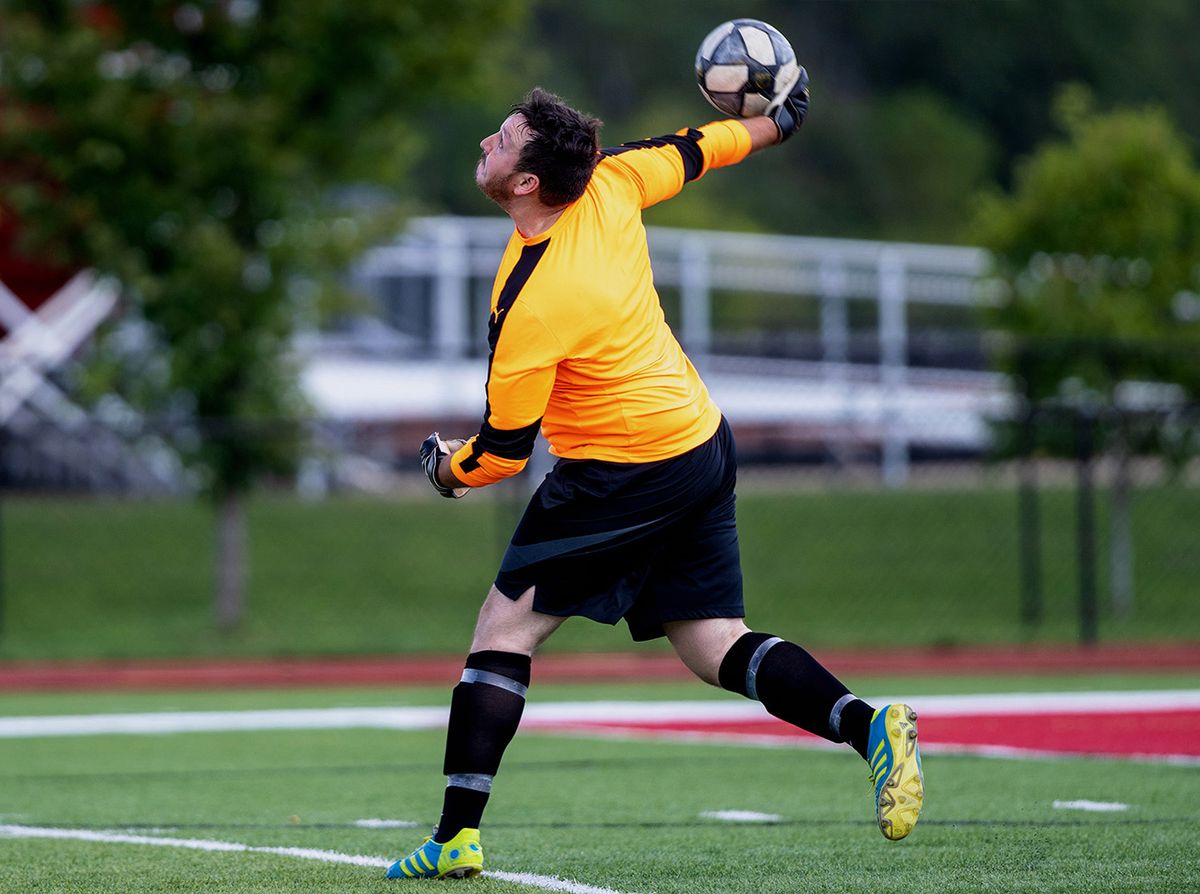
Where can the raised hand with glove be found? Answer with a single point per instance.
(790, 105)
(433, 450)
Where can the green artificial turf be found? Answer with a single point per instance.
(623, 815)
(88, 579)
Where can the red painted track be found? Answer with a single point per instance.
(1100, 733)
(415, 670)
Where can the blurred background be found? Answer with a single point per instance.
(244, 269)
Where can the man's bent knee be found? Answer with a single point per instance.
(511, 625)
(702, 644)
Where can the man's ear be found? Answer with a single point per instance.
(526, 184)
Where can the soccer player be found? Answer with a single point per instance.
(636, 519)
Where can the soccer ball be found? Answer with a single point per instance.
(742, 64)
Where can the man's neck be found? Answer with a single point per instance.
(533, 218)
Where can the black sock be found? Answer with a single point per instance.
(855, 725)
(793, 686)
(485, 711)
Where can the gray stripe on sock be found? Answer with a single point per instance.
(471, 675)
(479, 782)
(835, 714)
(755, 660)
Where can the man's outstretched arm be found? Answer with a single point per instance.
(660, 167)
(763, 133)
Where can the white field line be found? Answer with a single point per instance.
(545, 882)
(1091, 806)
(549, 883)
(556, 714)
(741, 816)
(194, 844)
(1008, 703)
(386, 824)
(1013, 752)
(222, 721)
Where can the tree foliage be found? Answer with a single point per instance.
(917, 104)
(189, 148)
(1099, 242)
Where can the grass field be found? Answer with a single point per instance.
(86, 579)
(283, 810)
(626, 816)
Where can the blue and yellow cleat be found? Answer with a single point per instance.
(460, 857)
(895, 769)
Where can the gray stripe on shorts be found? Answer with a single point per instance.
(530, 553)
(479, 782)
(472, 675)
(755, 660)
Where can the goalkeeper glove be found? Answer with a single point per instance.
(433, 449)
(790, 105)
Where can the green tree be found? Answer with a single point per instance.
(1099, 246)
(1004, 61)
(191, 150)
(1099, 242)
(916, 103)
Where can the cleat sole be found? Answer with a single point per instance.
(902, 793)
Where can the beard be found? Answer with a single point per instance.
(495, 188)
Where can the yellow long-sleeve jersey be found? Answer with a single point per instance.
(579, 344)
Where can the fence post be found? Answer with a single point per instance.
(450, 293)
(893, 359)
(835, 351)
(3, 494)
(1120, 523)
(835, 328)
(695, 298)
(1085, 431)
(1029, 520)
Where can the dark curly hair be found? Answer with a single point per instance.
(563, 146)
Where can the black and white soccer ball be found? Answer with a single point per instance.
(741, 66)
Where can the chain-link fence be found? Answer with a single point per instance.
(1070, 525)
(885, 461)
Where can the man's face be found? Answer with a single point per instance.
(501, 150)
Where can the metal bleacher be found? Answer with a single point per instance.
(821, 350)
(889, 364)
(48, 439)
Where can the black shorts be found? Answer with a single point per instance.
(647, 542)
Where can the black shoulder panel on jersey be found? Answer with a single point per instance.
(518, 443)
(689, 151)
(517, 277)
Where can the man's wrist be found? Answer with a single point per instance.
(444, 469)
(764, 132)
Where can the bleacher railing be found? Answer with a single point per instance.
(433, 283)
